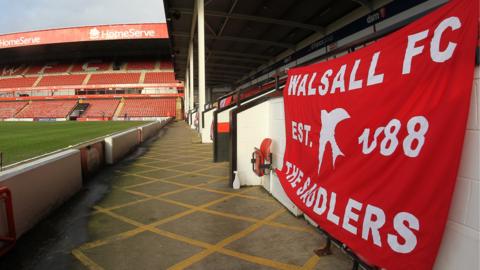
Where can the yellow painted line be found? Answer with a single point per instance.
(311, 263)
(209, 248)
(219, 246)
(183, 172)
(178, 237)
(307, 229)
(96, 207)
(236, 194)
(113, 238)
(90, 264)
(259, 260)
(129, 173)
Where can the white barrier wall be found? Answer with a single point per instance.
(253, 125)
(461, 242)
(147, 131)
(205, 131)
(40, 186)
(252, 128)
(118, 145)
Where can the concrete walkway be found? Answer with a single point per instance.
(172, 208)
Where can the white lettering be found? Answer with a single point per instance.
(412, 50)
(438, 56)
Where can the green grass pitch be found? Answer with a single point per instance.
(23, 140)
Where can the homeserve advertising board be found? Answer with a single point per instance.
(374, 137)
(85, 33)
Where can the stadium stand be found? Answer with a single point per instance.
(12, 70)
(54, 80)
(114, 78)
(141, 65)
(48, 68)
(10, 108)
(100, 107)
(17, 82)
(47, 109)
(166, 65)
(94, 65)
(143, 107)
(159, 77)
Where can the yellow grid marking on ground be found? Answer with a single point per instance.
(166, 180)
(220, 246)
(90, 264)
(209, 248)
(150, 197)
(179, 171)
(311, 263)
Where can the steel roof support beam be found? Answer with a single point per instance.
(243, 40)
(222, 27)
(181, 58)
(244, 17)
(233, 54)
(366, 3)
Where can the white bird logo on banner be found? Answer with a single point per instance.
(330, 121)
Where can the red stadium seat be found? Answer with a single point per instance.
(12, 70)
(101, 107)
(91, 66)
(114, 78)
(48, 109)
(141, 65)
(48, 68)
(56, 80)
(149, 107)
(9, 109)
(17, 82)
(262, 158)
(166, 65)
(159, 77)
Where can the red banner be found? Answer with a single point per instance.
(85, 33)
(374, 138)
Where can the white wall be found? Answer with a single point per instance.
(252, 128)
(253, 125)
(460, 246)
(205, 132)
(118, 145)
(40, 186)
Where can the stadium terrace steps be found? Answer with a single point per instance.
(11, 108)
(101, 107)
(47, 109)
(119, 108)
(143, 107)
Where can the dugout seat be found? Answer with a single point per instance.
(7, 241)
(262, 158)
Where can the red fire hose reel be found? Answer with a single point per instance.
(262, 158)
(9, 240)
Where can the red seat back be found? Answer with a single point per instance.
(265, 148)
